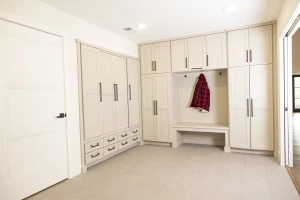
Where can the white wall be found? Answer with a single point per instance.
(285, 17)
(45, 17)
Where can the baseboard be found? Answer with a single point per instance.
(166, 144)
(74, 171)
(206, 142)
(259, 152)
(288, 169)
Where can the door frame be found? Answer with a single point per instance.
(285, 133)
(22, 21)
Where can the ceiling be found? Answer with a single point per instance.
(169, 18)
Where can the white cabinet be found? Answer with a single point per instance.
(216, 51)
(155, 58)
(133, 92)
(197, 53)
(251, 107)
(251, 46)
(156, 107)
(179, 54)
(104, 89)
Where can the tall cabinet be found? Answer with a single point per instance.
(251, 88)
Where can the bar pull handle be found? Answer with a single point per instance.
(154, 65)
(250, 55)
(252, 108)
(207, 60)
(247, 56)
(129, 92)
(197, 68)
(156, 107)
(247, 107)
(93, 156)
(186, 64)
(117, 92)
(100, 91)
(93, 146)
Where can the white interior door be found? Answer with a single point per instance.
(197, 53)
(146, 54)
(179, 56)
(148, 95)
(133, 92)
(121, 103)
(261, 93)
(238, 48)
(91, 86)
(260, 41)
(216, 48)
(239, 107)
(107, 104)
(33, 148)
(162, 96)
(162, 57)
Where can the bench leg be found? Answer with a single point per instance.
(177, 138)
(227, 148)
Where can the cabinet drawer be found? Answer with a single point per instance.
(135, 139)
(93, 156)
(110, 140)
(94, 145)
(123, 135)
(110, 149)
(124, 143)
(134, 131)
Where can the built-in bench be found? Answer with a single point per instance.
(181, 127)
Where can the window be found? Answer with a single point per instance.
(296, 93)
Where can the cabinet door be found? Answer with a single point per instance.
(162, 96)
(146, 55)
(148, 89)
(239, 107)
(238, 48)
(179, 55)
(197, 53)
(133, 92)
(120, 79)
(106, 72)
(216, 51)
(261, 92)
(260, 40)
(162, 57)
(91, 92)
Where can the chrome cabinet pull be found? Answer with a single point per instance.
(124, 135)
(247, 56)
(124, 143)
(111, 149)
(129, 92)
(100, 91)
(186, 64)
(111, 140)
(250, 55)
(134, 139)
(207, 60)
(93, 156)
(251, 107)
(95, 145)
(247, 107)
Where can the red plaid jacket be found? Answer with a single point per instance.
(201, 98)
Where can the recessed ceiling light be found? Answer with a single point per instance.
(229, 9)
(141, 26)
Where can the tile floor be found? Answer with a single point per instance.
(190, 172)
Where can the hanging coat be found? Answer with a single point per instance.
(201, 98)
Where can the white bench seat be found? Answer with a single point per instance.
(199, 127)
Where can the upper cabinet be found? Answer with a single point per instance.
(216, 51)
(251, 46)
(204, 52)
(155, 58)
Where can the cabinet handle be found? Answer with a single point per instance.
(135, 131)
(247, 107)
(250, 55)
(134, 139)
(153, 107)
(207, 60)
(129, 92)
(111, 140)
(117, 92)
(197, 68)
(152, 65)
(186, 64)
(93, 156)
(95, 145)
(124, 135)
(246, 56)
(111, 149)
(124, 143)
(251, 107)
(100, 91)
(156, 107)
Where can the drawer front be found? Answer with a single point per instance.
(124, 143)
(134, 131)
(92, 146)
(123, 135)
(93, 156)
(110, 140)
(135, 139)
(110, 149)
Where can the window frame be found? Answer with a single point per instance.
(294, 108)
